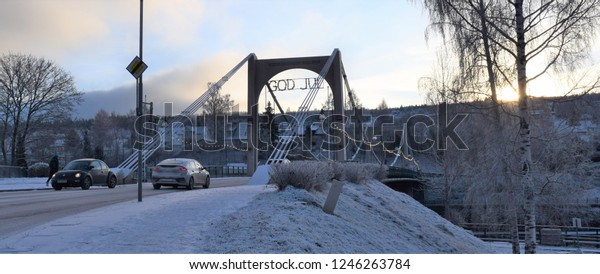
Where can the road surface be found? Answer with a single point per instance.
(22, 210)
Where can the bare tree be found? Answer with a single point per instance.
(217, 104)
(446, 84)
(36, 90)
(328, 104)
(352, 102)
(383, 105)
(466, 32)
(455, 80)
(5, 112)
(73, 144)
(101, 129)
(556, 35)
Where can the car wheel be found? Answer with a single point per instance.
(87, 182)
(190, 185)
(56, 187)
(112, 182)
(207, 182)
(156, 186)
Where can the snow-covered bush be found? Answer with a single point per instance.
(361, 172)
(356, 173)
(338, 171)
(377, 172)
(314, 175)
(38, 170)
(302, 174)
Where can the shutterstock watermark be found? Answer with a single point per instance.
(316, 131)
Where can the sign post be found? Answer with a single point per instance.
(137, 68)
(577, 225)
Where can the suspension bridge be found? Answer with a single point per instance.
(329, 68)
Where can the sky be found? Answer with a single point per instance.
(188, 43)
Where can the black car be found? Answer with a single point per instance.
(84, 173)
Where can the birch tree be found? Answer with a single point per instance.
(535, 37)
(466, 70)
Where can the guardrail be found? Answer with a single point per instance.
(215, 172)
(571, 236)
(226, 171)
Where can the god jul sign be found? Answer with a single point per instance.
(295, 84)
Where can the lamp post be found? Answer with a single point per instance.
(140, 106)
(382, 160)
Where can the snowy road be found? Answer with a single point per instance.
(26, 209)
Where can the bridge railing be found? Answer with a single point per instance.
(226, 171)
(570, 236)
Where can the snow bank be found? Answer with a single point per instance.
(260, 176)
(170, 223)
(23, 183)
(369, 218)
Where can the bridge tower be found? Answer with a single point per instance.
(261, 71)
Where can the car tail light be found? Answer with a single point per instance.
(182, 168)
(155, 168)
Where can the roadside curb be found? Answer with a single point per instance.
(24, 189)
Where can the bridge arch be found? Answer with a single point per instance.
(261, 71)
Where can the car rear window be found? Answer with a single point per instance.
(168, 165)
(171, 164)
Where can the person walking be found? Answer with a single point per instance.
(53, 167)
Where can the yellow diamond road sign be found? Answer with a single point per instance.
(137, 67)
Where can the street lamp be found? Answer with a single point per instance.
(140, 105)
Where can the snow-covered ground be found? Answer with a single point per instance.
(7, 184)
(160, 224)
(368, 218)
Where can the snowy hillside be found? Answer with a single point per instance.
(369, 218)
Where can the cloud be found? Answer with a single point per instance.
(180, 86)
(175, 22)
(119, 100)
(50, 28)
(58, 26)
(95, 40)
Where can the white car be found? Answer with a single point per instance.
(180, 172)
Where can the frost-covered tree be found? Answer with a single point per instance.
(553, 35)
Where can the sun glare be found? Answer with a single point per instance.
(544, 86)
(507, 94)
